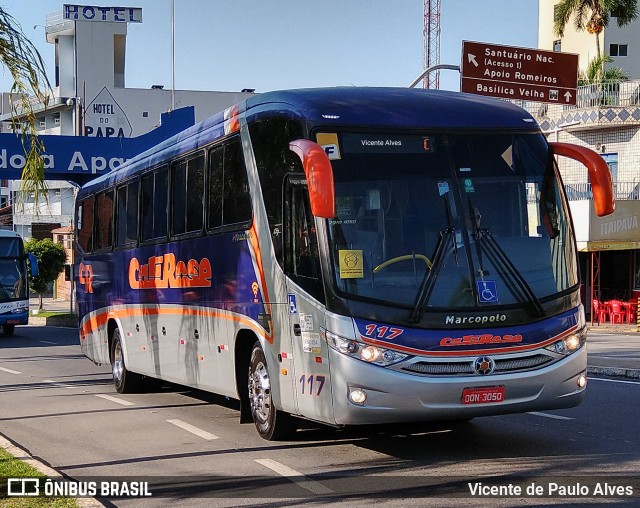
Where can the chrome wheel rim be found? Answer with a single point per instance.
(118, 363)
(260, 393)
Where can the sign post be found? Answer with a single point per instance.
(519, 73)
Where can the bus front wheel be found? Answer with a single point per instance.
(124, 380)
(8, 330)
(271, 423)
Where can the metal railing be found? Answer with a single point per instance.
(604, 94)
(621, 190)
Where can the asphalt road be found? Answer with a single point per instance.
(63, 410)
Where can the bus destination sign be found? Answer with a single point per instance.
(519, 73)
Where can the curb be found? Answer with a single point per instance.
(65, 320)
(614, 372)
(20, 454)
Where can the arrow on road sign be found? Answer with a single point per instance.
(472, 59)
(568, 96)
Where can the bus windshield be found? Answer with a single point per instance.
(12, 275)
(449, 221)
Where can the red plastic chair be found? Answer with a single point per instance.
(631, 311)
(617, 315)
(600, 312)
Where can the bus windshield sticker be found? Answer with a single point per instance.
(329, 143)
(351, 265)
(487, 291)
(468, 185)
(507, 156)
(443, 188)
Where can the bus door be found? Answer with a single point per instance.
(306, 307)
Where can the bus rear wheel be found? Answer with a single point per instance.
(271, 423)
(8, 330)
(124, 380)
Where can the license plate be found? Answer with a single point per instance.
(483, 395)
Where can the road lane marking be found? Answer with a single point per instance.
(10, 371)
(547, 415)
(614, 381)
(114, 399)
(291, 474)
(194, 430)
(57, 383)
(47, 342)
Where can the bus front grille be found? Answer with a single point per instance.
(465, 367)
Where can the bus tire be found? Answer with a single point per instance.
(124, 380)
(8, 330)
(271, 423)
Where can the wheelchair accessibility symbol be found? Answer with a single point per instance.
(293, 306)
(487, 291)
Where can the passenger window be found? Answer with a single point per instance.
(127, 215)
(85, 224)
(154, 205)
(229, 198)
(104, 221)
(187, 191)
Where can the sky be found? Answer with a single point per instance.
(228, 45)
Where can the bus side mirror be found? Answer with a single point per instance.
(599, 174)
(319, 173)
(33, 263)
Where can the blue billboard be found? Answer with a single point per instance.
(80, 159)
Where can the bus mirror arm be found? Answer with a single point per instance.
(319, 173)
(599, 174)
(33, 263)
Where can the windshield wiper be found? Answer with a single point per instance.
(429, 279)
(503, 264)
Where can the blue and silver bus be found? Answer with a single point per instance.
(14, 284)
(347, 255)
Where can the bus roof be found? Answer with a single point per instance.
(407, 108)
(393, 107)
(7, 233)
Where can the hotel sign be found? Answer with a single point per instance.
(108, 14)
(519, 73)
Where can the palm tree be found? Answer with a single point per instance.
(596, 73)
(22, 60)
(593, 15)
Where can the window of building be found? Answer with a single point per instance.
(612, 161)
(557, 46)
(618, 49)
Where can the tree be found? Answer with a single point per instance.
(596, 73)
(593, 15)
(21, 58)
(51, 260)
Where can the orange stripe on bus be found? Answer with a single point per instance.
(101, 319)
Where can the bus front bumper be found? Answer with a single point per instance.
(393, 396)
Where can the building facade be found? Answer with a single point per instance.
(89, 97)
(606, 119)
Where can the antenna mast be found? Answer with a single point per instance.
(431, 51)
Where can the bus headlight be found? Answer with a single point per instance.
(570, 343)
(365, 352)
